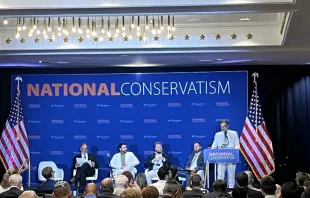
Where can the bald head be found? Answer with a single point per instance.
(28, 194)
(91, 188)
(107, 185)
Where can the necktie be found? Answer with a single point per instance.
(84, 156)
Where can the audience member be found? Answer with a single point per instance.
(172, 189)
(121, 183)
(141, 180)
(15, 184)
(4, 185)
(28, 194)
(243, 181)
(107, 189)
(150, 192)
(62, 190)
(239, 192)
(251, 180)
(163, 176)
(173, 174)
(90, 190)
(131, 193)
(306, 186)
(268, 186)
(129, 175)
(219, 189)
(196, 189)
(290, 190)
(48, 185)
(278, 191)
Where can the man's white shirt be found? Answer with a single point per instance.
(219, 139)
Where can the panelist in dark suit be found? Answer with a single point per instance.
(155, 161)
(48, 186)
(195, 162)
(86, 169)
(15, 185)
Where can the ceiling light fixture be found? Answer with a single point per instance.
(244, 19)
(219, 59)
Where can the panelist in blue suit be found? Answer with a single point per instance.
(155, 161)
(226, 139)
(195, 163)
(48, 186)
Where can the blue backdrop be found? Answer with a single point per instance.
(177, 109)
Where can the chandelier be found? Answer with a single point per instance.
(96, 27)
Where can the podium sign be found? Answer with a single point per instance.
(223, 155)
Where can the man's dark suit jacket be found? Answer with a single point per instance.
(253, 193)
(215, 194)
(195, 193)
(47, 187)
(13, 192)
(107, 195)
(149, 165)
(200, 161)
(90, 157)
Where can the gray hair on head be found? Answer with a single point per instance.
(15, 180)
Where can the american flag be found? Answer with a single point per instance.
(14, 146)
(255, 142)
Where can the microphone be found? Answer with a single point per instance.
(109, 157)
(225, 132)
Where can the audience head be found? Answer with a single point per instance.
(48, 172)
(306, 183)
(16, 180)
(250, 177)
(28, 194)
(150, 192)
(122, 147)
(219, 185)
(173, 171)
(121, 181)
(195, 181)
(268, 185)
(83, 148)
(5, 179)
(239, 192)
(242, 179)
(301, 177)
(129, 175)
(197, 147)
(91, 188)
(158, 147)
(141, 180)
(62, 190)
(290, 190)
(107, 185)
(130, 193)
(172, 188)
(163, 173)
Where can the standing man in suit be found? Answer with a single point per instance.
(226, 139)
(84, 170)
(195, 163)
(155, 161)
(124, 161)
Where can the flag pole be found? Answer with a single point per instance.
(255, 75)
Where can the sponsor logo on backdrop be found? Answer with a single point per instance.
(174, 104)
(126, 137)
(80, 137)
(126, 105)
(34, 106)
(57, 121)
(103, 153)
(150, 121)
(34, 168)
(198, 104)
(34, 121)
(57, 153)
(175, 152)
(103, 105)
(198, 136)
(57, 105)
(219, 119)
(150, 136)
(149, 105)
(80, 121)
(76, 153)
(57, 137)
(148, 152)
(103, 121)
(103, 137)
(222, 104)
(80, 106)
(198, 120)
(174, 121)
(34, 137)
(35, 153)
(126, 121)
(174, 136)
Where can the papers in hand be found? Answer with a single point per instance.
(80, 161)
